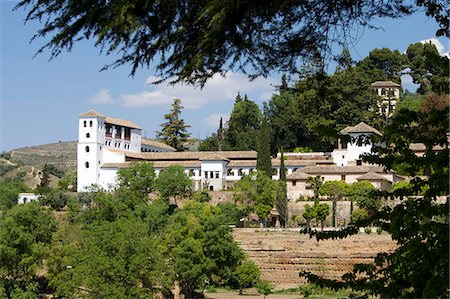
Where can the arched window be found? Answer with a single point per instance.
(86, 149)
(84, 124)
(88, 135)
(86, 164)
(90, 123)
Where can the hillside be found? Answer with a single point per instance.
(62, 155)
(26, 163)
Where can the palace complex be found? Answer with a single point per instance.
(107, 144)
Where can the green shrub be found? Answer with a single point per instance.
(379, 230)
(306, 290)
(368, 230)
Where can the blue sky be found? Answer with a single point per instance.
(40, 100)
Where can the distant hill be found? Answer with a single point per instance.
(62, 155)
(26, 163)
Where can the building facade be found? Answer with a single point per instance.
(108, 144)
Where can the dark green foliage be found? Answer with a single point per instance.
(173, 183)
(135, 182)
(201, 196)
(264, 288)
(428, 68)
(174, 131)
(233, 213)
(209, 144)
(363, 193)
(199, 248)
(264, 162)
(56, 199)
(9, 193)
(247, 275)
(25, 234)
(282, 200)
(318, 211)
(112, 260)
(243, 125)
(411, 102)
(418, 267)
(336, 190)
(193, 41)
(220, 135)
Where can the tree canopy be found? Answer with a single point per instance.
(192, 41)
(174, 131)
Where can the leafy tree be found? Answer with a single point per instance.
(309, 214)
(25, 234)
(209, 144)
(174, 131)
(247, 275)
(261, 194)
(315, 182)
(9, 193)
(199, 248)
(428, 68)
(115, 259)
(363, 193)
(56, 199)
(192, 42)
(383, 64)
(418, 267)
(410, 101)
(201, 196)
(263, 162)
(233, 213)
(243, 125)
(344, 60)
(173, 183)
(322, 212)
(264, 288)
(336, 190)
(68, 182)
(135, 183)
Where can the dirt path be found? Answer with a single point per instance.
(249, 296)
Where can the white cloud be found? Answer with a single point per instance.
(101, 97)
(217, 89)
(439, 46)
(212, 121)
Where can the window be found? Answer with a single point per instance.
(205, 173)
(90, 123)
(86, 164)
(86, 149)
(294, 183)
(211, 188)
(88, 135)
(240, 172)
(358, 162)
(100, 147)
(343, 177)
(230, 172)
(191, 172)
(84, 124)
(216, 174)
(211, 174)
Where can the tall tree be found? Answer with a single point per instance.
(191, 42)
(428, 68)
(344, 60)
(282, 200)
(418, 267)
(173, 183)
(220, 135)
(243, 125)
(174, 131)
(263, 162)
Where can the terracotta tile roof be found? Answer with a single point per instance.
(91, 113)
(371, 176)
(214, 157)
(231, 155)
(297, 175)
(155, 143)
(242, 163)
(111, 120)
(420, 147)
(156, 164)
(314, 170)
(360, 128)
(121, 122)
(384, 84)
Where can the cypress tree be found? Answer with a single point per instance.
(263, 163)
(282, 201)
(220, 135)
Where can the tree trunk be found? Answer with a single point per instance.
(334, 212)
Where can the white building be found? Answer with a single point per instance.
(98, 137)
(27, 197)
(107, 144)
(390, 94)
